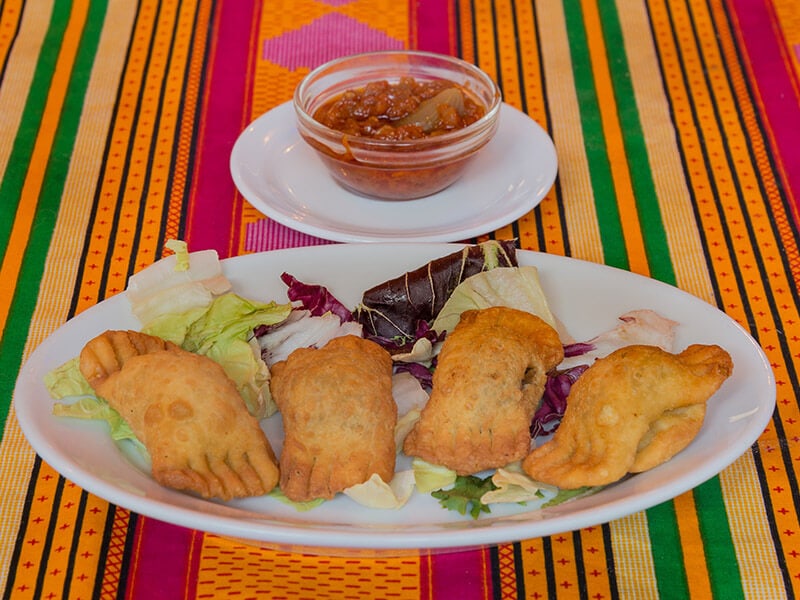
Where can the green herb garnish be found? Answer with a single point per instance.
(465, 495)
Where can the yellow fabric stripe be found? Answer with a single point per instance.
(23, 221)
(13, 94)
(720, 180)
(573, 169)
(65, 254)
(127, 174)
(29, 197)
(755, 549)
(21, 66)
(612, 132)
(686, 252)
(633, 559)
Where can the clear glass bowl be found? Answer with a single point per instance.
(388, 169)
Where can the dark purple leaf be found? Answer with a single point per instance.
(394, 308)
(577, 349)
(315, 298)
(554, 401)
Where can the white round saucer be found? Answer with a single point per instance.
(282, 177)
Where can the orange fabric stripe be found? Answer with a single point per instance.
(9, 21)
(717, 186)
(29, 198)
(594, 560)
(692, 541)
(623, 189)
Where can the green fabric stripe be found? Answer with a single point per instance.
(11, 186)
(711, 513)
(26, 293)
(662, 524)
(723, 566)
(644, 189)
(608, 217)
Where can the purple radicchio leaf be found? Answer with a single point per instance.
(422, 373)
(577, 349)
(315, 298)
(554, 401)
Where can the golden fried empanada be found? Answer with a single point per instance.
(668, 435)
(187, 413)
(488, 380)
(629, 411)
(106, 353)
(338, 417)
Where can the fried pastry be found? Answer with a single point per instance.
(668, 435)
(630, 411)
(187, 413)
(338, 417)
(106, 353)
(488, 380)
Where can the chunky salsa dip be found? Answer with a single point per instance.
(407, 109)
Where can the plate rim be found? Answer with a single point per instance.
(308, 537)
(523, 205)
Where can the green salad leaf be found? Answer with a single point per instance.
(465, 495)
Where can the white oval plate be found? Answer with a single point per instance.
(587, 297)
(276, 171)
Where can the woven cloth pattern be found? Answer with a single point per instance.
(677, 128)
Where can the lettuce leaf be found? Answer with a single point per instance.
(67, 380)
(224, 333)
(514, 287)
(94, 408)
(430, 477)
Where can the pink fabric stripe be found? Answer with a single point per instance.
(164, 563)
(211, 222)
(432, 36)
(457, 576)
(777, 87)
(267, 234)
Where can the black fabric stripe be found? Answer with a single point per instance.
(98, 190)
(611, 570)
(494, 560)
(187, 74)
(48, 541)
(550, 576)
(519, 570)
(76, 538)
(744, 298)
(23, 527)
(580, 569)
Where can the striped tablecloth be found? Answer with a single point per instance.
(677, 126)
